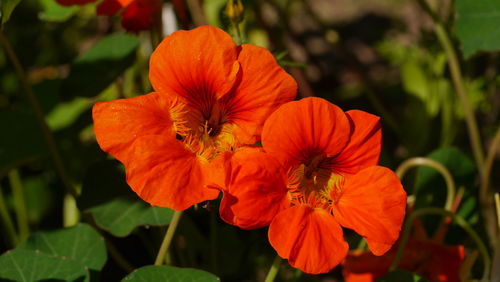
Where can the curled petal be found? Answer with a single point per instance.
(264, 86)
(302, 129)
(372, 203)
(365, 143)
(309, 238)
(254, 188)
(117, 124)
(164, 173)
(199, 65)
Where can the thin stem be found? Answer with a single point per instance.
(459, 220)
(457, 79)
(271, 275)
(419, 161)
(19, 204)
(196, 12)
(168, 238)
(7, 222)
(117, 257)
(488, 165)
(497, 205)
(49, 138)
(237, 33)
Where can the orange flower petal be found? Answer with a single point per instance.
(301, 129)
(254, 188)
(117, 124)
(310, 239)
(372, 203)
(264, 86)
(199, 65)
(365, 143)
(164, 173)
(112, 7)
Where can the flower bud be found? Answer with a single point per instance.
(234, 10)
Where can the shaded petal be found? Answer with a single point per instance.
(164, 173)
(118, 123)
(300, 130)
(254, 188)
(199, 65)
(141, 15)
(365, 143)
(372, 203)
(112, 7)
(264, 86)
(310, 239)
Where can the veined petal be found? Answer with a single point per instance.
(112, 7)
(365, 143)
(310, 239)
(254, 188)
(302, 129)
(372, 203)
(164, 173)
(199, 65)
(264, 86)
(118, 123)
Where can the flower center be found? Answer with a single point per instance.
(205, 133)
(312, 182)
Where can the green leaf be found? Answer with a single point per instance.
(55, 12)
(28, 265)
(17, 126)
(170, 274)
(477, 25)
(6, 9)
(114, 206)
(64, 114)
(401, 275)
(80, 243)
(95, 70)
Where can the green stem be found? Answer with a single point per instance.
(7, 222)
(497, 205)
(457, 79)
(488, 165)
(459, 220)
(71, 215)
(169, 235)
(19, 204)
(237, 34)
(419, 161)
(271, 275)
(49, 138)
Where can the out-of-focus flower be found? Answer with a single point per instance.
(434, 261)
(211, 97)
(136, 15)
(318, 172)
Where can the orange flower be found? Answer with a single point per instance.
(137, 15)
(434, 261)
(211, 96)
(319, 173)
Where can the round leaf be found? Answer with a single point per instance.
(170, 274)
(80, 243)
